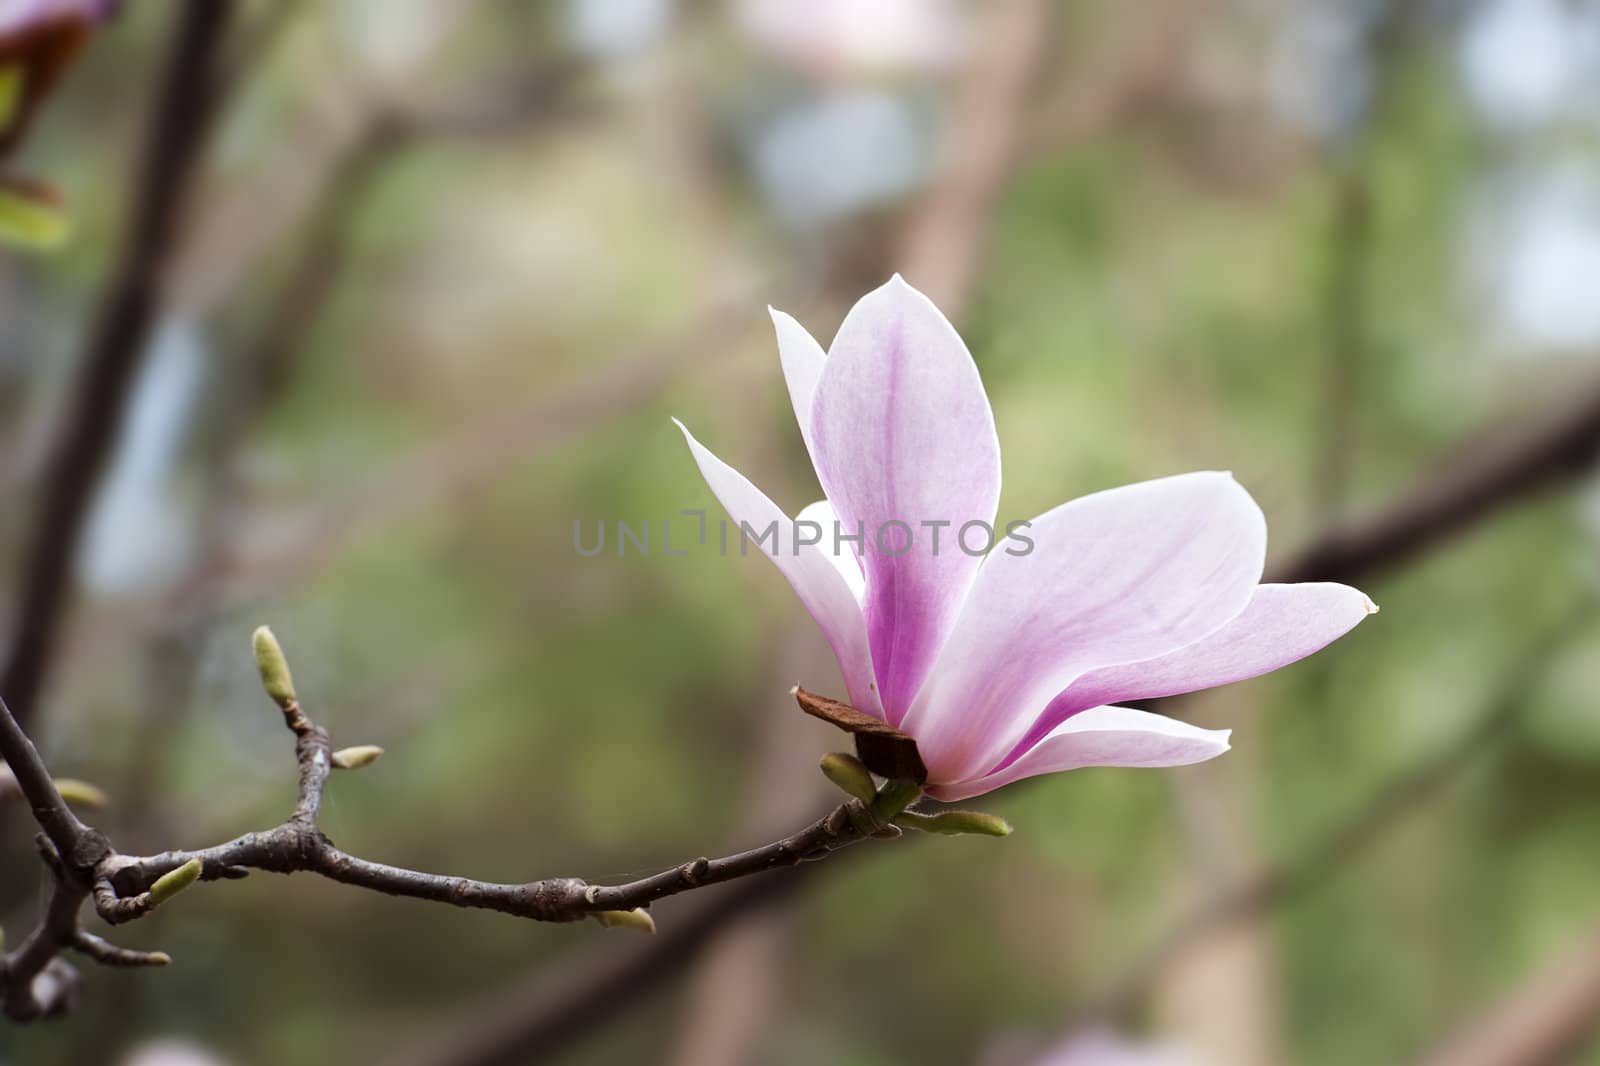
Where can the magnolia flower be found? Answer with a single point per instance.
(1010, 664)
(842, 37)
(1105, 1048)
(171, 1052)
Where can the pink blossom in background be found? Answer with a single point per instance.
(1011, 664)
(1104, 1048)
(171, 1052)
(20, 14)
(844, 37)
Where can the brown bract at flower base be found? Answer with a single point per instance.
(39, 49)
(883, 749)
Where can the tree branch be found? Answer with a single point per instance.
(125, 887)
(1490, 472)
(60, 825)
(185, 102)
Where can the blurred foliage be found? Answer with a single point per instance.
(1141, 310)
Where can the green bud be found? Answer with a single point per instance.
(638, 919)
(172, 882)
(275, 677)
(12, 79)
(895, 796)
(955, 823)
(82, 793)
(357, 757)
(31, 216)
(850, 774)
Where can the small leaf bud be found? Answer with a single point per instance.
(174, 881)
(81, 793)
(850, 774)
(638, 919)
(955, 823)
(357, 757)
(275, 677)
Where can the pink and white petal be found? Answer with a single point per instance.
(839, 552)
(1101, 736)
(802, 358)
(902, 432)
(1120, 576)
(815, 578)
(1282, 624)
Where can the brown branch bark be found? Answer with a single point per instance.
(1491, 472)
(184, 105)
(125, 887)
(538, 1019)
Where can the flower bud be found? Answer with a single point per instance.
(357, 757)
(172, 882)
(955, 823)
(31, 215)
(850, 774)
(274, 668)
(81, 793)
(638, 919)
(12, 77)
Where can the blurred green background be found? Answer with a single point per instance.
(450, 267)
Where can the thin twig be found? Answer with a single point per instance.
(125, 887)
(23, 997)
(535, 1020)
(1489, 473)
(28, 771)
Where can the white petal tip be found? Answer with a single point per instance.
(1372, 608)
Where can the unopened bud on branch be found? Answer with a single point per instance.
(81, 793)
(357, 757)
(638, 919)
(955, 823)
(850, 774)
(12, 77)
(174, 881)
(275, 677)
